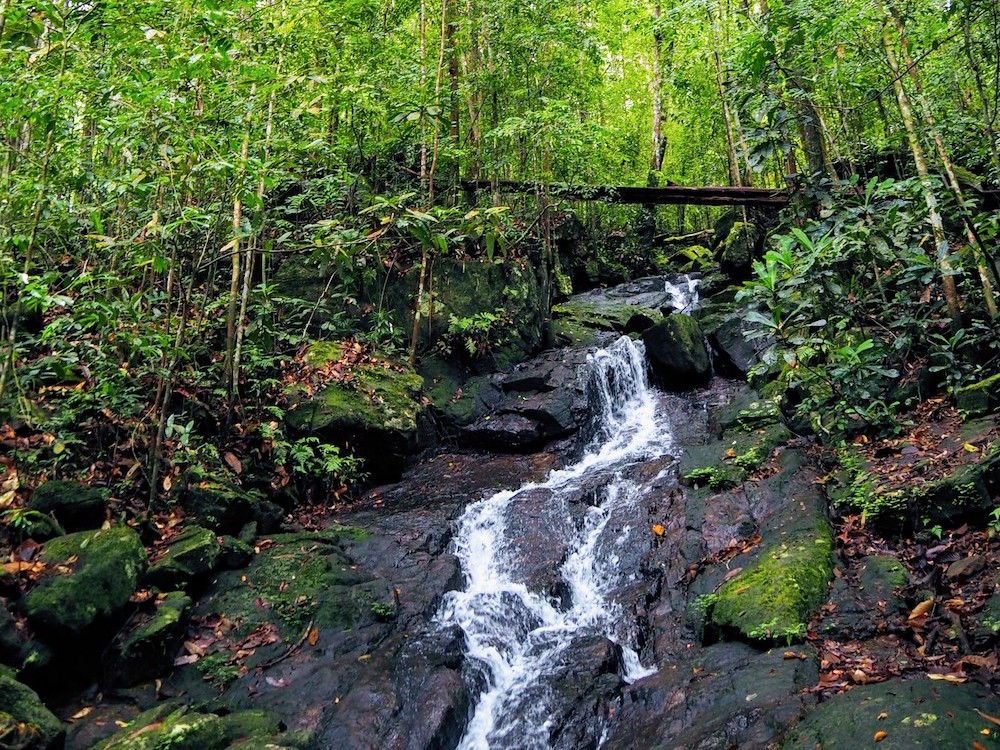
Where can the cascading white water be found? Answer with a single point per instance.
(683, 291)
(516, 636)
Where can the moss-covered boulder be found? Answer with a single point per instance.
(75, 506)
(737, 251)
(25, 722)
(676, 349)
(188, 558)
(226, 508)
(19, 648)
(979, 398)
(580, 323)
(774, 596)
(378, 413)
(178, 727)
(146, 646)
(917, 713)
(90, 577)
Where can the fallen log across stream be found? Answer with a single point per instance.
(666, 195)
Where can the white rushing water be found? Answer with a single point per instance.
(516, 636)
(683, 291)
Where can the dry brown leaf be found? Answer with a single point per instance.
(233, 462)
(313, 636)
(81, 713)
(883, 716)
(950, 677)
(659, 529)
(922, 609)
(977, 745)
(880, 735)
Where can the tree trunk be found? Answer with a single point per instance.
(988, 119)
(934, 216)
(656, 160)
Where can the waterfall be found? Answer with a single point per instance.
(516, 636)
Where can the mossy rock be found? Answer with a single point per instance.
(580, 323)
(979, 398)
(146, 647)
(19, 648)
(774, 597)
(100, 581)
(676, 349)
(736, 253)
(226, 508)
(25, 722)
(297, 580)
(75, 506)
(966, 492)
(189, 557)
(379, 413)
(169, 727)
(917, 713)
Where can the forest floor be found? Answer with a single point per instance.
(943, 622)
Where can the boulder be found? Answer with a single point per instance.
(18, 646)
(226, 508)
(146, 646)
(737, 251)
(979, 398)
(378, 414)
(188, 558)
(75, 506)
(91, 577)
(917, 713)
(676, 349)
(775, 595)
(25, 722)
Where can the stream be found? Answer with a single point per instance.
(517, 635)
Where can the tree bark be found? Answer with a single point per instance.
(920, 161)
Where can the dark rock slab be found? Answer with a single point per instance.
(724, 696)
(146, 646)
(918, 713)
(189, 557)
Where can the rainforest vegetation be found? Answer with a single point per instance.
(162, 161)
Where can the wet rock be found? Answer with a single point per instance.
(988, 619)
(914, 713)
(25, 722)
(188, 558)
(411, 696)
(146, 646)
(234, 553)
(724, 696)
(776, 593)
(75, 506)
(226, 508)
(97, 586)
(537, 402)
(378, 413)
(676, 350)
(864, 605)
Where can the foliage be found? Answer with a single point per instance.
(844, 301)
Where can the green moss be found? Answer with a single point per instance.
(169, 728)
(775, 596)
(324, 351)
(193, 553)
(979, 398)
(25, 722)
(102, 579)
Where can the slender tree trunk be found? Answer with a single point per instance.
(988, 119)
(656, 161)
(734, 163)
(423, 88)
(933, 214)
(970, 230)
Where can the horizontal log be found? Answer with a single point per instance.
(666, 195)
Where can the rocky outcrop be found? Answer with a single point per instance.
(188, 558)
(738, 250)
(377, 413)
(146, 646)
